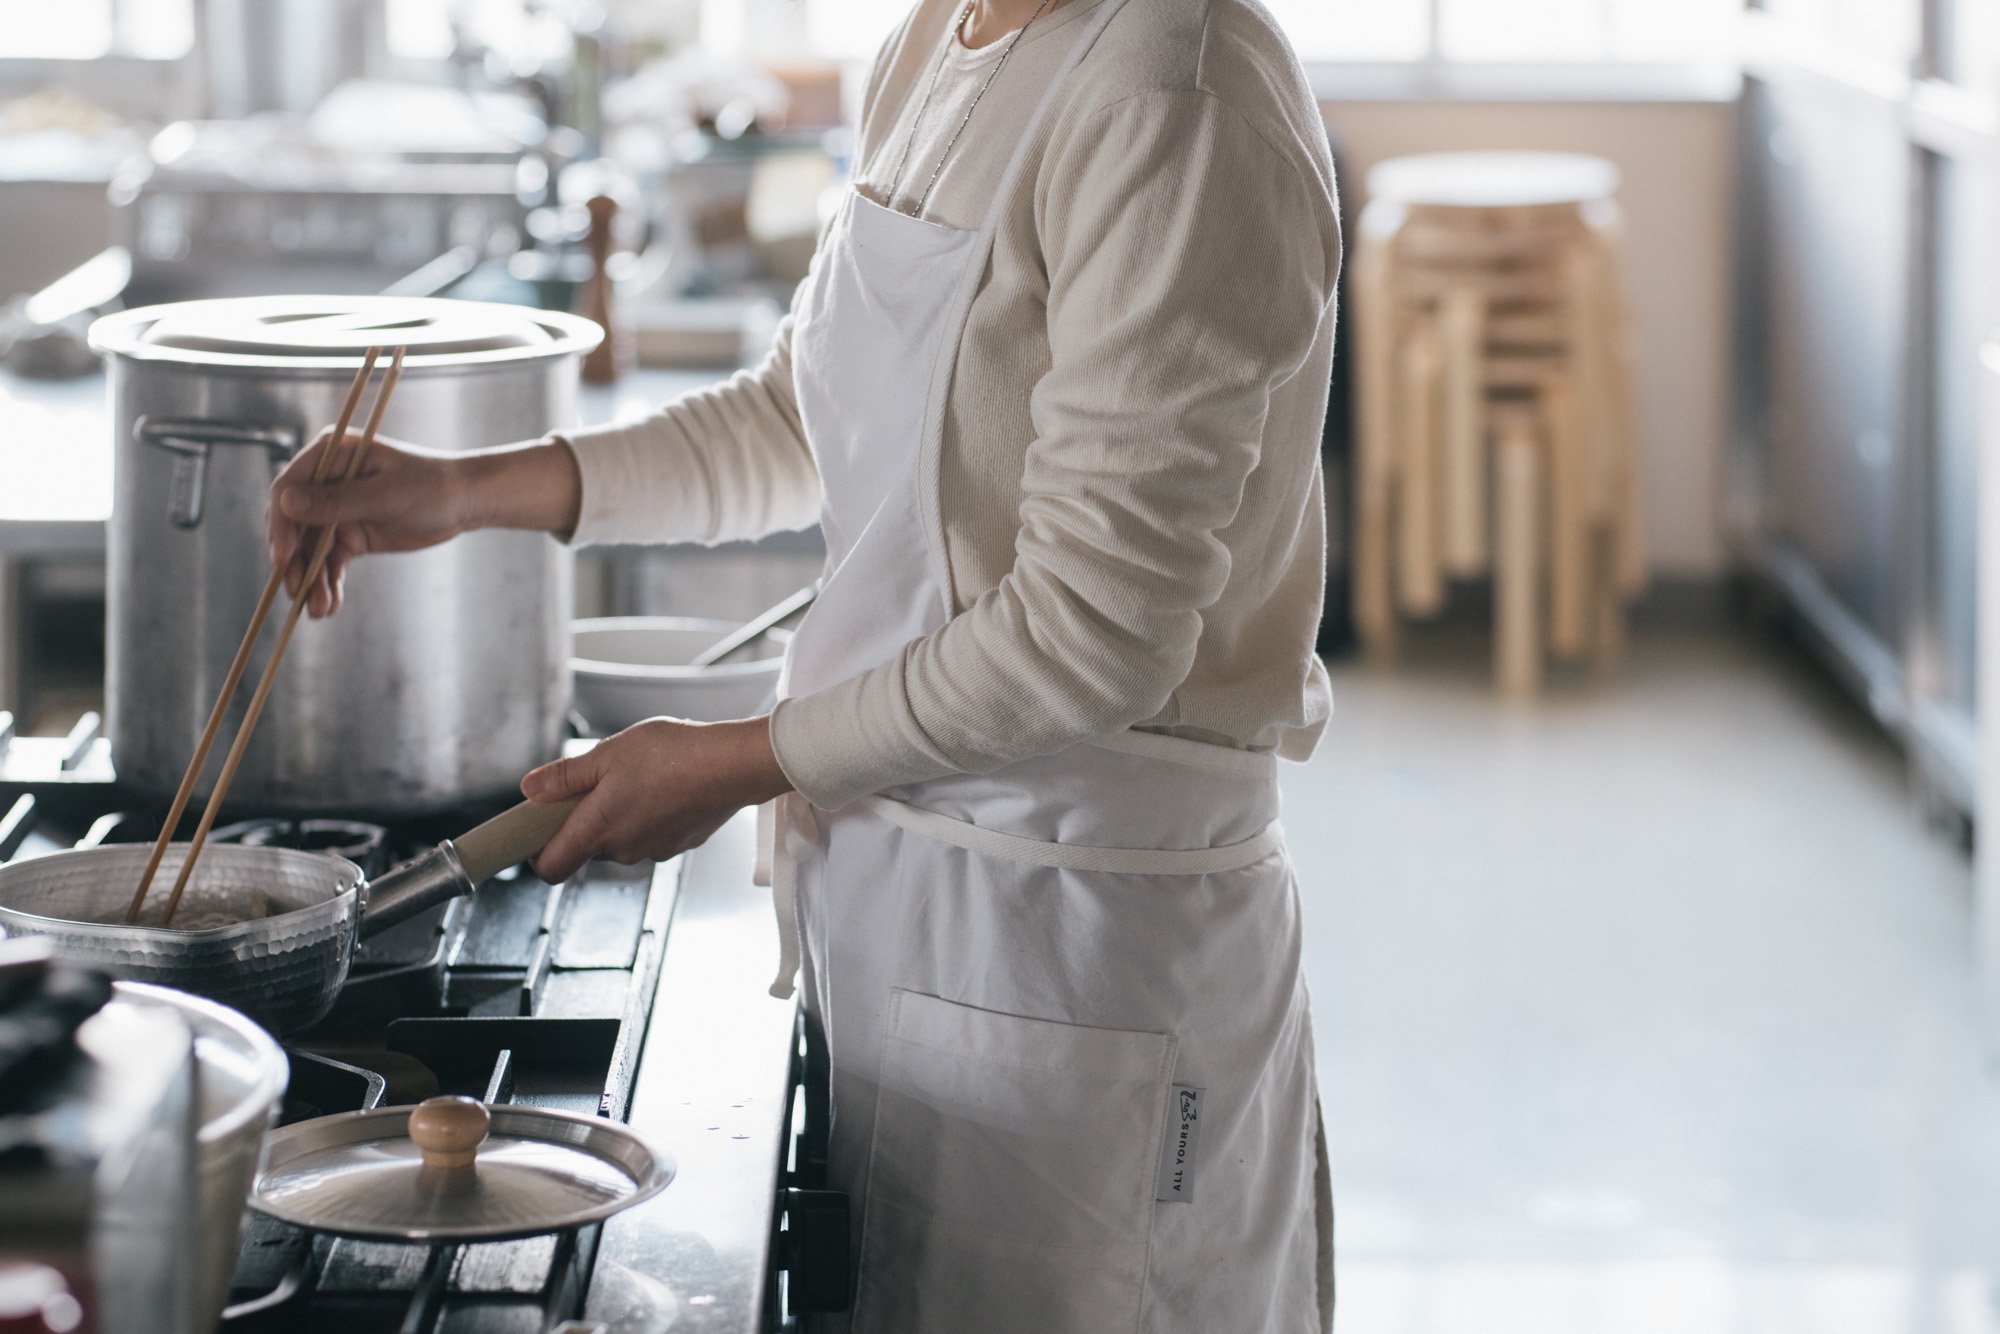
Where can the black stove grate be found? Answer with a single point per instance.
(526, 993)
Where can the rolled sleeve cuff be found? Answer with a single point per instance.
(630, 493)
(842, 743)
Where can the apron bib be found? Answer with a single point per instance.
(1071, 1054)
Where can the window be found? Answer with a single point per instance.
(1977, 30)
(87, 29)
(1532, 31)
(1535, 31)
(1356, 29)
(1649, 31)
(1881, 31)
(853, 29)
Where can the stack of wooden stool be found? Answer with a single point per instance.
(1494, 393)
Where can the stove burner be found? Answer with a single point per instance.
(528, 992)
(363, 844)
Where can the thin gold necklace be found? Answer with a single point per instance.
(956, 34)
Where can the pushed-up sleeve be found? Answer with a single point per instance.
(1190, 266)
(720, 464)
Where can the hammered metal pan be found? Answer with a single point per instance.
(267, 931)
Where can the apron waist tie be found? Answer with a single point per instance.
(1078, 856)
(786, 832)
(793, 831)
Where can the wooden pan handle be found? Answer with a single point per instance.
(512, 836)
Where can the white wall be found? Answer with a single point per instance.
(1679, 163)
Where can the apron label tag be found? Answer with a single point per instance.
(1176, 1181)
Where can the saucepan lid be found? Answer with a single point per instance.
(316, 332)
(454, 1170)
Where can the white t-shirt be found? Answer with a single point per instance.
(917, 138)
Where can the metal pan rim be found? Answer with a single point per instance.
(287, 1143)
(334, 906)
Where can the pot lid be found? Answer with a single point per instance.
(454, 1169)
(291, 332)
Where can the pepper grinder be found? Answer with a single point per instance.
(604, 363)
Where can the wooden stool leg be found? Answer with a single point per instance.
(1632, 561)
(1419, 369)
(1617, 556)
(1375, 321)
(1610, 337)
(1517, 646)
(1569, 521)
(1462, 327)
(1374, 613)
(1607, 628)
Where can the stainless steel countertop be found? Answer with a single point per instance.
(710, 1089)
(56, 450)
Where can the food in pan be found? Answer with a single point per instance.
(257, 905)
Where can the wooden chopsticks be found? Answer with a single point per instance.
(242, 660)
(356, 454)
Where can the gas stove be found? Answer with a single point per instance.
(561, 996)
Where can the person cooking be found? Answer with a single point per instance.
(1053, 391)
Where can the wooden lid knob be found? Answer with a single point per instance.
(449, 1130)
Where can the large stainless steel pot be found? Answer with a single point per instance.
(446, 675)
(240, 1076)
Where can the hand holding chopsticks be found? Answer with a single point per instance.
(357, 453)
(234, 677)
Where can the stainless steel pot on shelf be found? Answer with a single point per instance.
(445, 676)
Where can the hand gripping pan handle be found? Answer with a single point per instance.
(509, 837)
(456, 865)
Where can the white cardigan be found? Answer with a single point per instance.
(1130, 490)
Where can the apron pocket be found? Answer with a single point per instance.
(1010, 1186)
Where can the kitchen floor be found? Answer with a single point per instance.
(1645, 1009)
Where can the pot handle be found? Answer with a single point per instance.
(189, 441)
(455, 866)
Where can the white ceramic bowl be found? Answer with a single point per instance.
(629, 668)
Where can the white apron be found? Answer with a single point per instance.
(1071, 1054)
